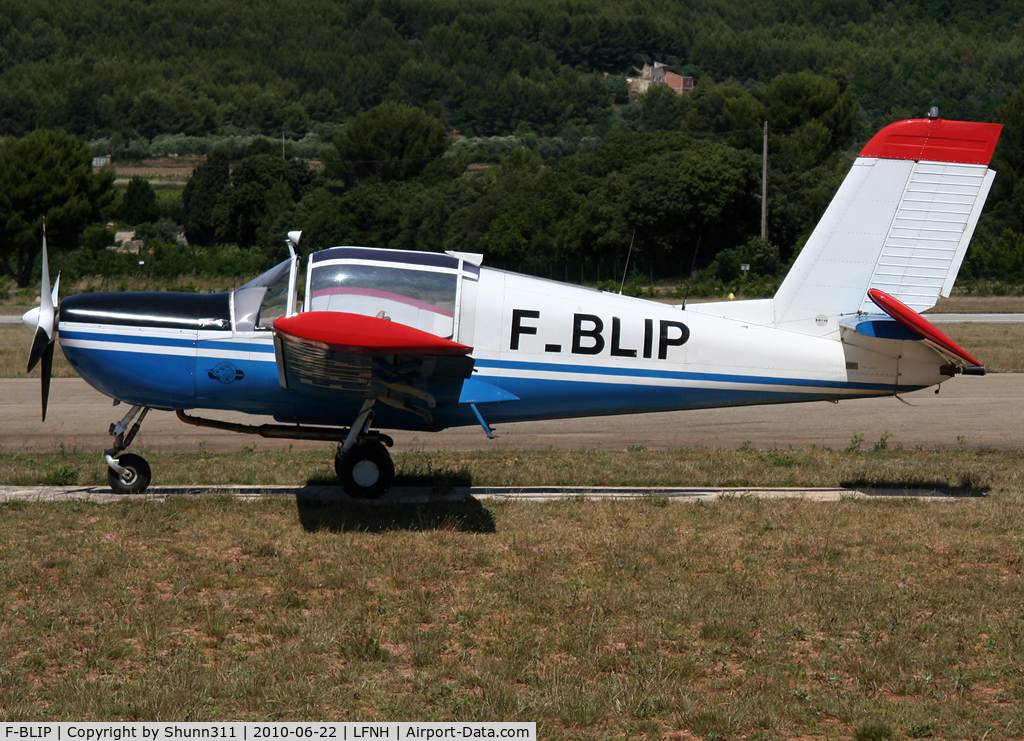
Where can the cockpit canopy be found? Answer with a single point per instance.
(418, 289)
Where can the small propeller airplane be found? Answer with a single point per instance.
(415, 340)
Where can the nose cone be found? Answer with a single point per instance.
(31, 318)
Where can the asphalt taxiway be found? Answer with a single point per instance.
(973, 411)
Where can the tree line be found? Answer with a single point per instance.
(680, 192)
(496, 127)
(122, 70)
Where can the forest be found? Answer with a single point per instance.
(488, 67)
(505, 128)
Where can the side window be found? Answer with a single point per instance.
(412, 296)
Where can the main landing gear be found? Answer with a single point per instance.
(129, 473)
(363, 463)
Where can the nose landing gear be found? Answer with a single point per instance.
(127, 474)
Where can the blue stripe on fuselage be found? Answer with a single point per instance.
(168, 381)
(674, 375)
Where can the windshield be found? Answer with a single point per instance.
(262, 300)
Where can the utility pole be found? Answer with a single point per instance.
(764, 186)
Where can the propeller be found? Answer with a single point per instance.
(43, 319)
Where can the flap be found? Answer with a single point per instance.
(475, 391)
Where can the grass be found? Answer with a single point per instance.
(999, 346)
(15, 341)
(736, 619)
(741, 618)
(968, 304)
(869, 464)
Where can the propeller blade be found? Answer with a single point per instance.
(45, 319)
(46, 298)
(46, 268)
(40, 341)
(45, 373)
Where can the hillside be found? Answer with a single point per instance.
(100, 68)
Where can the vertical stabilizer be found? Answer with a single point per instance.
(901, 222)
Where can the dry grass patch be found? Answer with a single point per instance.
(961, 304)
(15, 342)
(738, 619)
(999, 346)
(864, 464)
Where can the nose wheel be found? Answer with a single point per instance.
(366, 470)
(134, 477)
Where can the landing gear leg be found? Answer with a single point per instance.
(363, 463)
(127, 474)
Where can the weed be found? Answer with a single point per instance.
(873, 732)
(362, 645)
(63, 475)
(855, 442)
(883, 442)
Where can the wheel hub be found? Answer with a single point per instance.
(365, 473)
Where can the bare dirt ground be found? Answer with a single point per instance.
(161, 170)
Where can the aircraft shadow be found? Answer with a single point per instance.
(420, 512)
(337, 515)
(913, 488)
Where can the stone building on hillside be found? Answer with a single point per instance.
(658, 74)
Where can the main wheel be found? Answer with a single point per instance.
(136, 477)
(366, 471)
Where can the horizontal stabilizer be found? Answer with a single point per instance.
(921, 326)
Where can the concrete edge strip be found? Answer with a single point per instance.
(424, 494)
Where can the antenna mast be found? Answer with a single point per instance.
(626, 269)
(764, 185)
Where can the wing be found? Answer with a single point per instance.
(336, 355)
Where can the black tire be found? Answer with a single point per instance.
(366, 471)
(137, 478)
